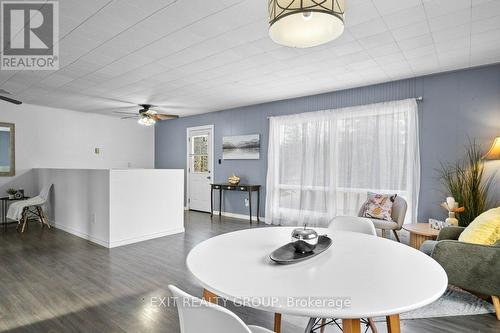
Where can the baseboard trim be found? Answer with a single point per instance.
(168, 232)
(239, 216)
(80, 234)
(118, 243)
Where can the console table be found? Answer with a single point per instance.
(242, 188)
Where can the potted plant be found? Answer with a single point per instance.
(11, 192)
(465, 180)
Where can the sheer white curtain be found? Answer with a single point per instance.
(322, 164)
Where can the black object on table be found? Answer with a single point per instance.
(242, 188)
(5, 201)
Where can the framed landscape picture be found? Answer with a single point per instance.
(241, 147)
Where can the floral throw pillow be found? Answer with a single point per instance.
(379, 206)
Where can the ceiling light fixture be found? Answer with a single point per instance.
(305, 23)
(146, 120)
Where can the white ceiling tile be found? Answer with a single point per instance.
(485, 10)
(207, 56)
(390, 59)
(442, 7)
(413, 30)
(485, 25)
(450, 20)
(369, 28)
(419, 52)
(383, 50)
(376, 40)
(391, 6)
(360, 12)
(405, 17)
(416, 42)
(452, 33)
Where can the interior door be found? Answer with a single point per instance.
(200, 168)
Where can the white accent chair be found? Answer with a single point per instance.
(197, 315)
(398, 214)
(353, 224)
(31, 208)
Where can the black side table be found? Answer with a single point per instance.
(242, 188)
(4, 205)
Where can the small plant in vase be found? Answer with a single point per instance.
(452, 207)
(11, 192)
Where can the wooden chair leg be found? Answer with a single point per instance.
(277, 322)
(323, 325)
(372, 325)
(496, 304)
(25, 219)
(39, 216)
(45, 220)
(393, 325)
(351, 326)
(396, 235)
(209, 296)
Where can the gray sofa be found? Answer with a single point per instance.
(472, 267)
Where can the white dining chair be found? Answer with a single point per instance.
(353, 223)
(361, 225)
(197, 315)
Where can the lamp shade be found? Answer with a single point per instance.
(494, 152)
(305, 23)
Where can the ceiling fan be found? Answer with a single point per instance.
(146, 115)
(8, 99)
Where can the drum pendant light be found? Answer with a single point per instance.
(305, 23)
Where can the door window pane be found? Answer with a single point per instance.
(199, 145)
(200, 163)
(199, 153)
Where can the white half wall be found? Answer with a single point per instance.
(78, 202)
(145, 204)
(115, 207)
(57, 138)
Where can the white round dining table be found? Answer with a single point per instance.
(359, 276)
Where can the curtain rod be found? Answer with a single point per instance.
(418, 99)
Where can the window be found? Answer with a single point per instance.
(322, 164)
(199, 153)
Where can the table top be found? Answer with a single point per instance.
(421, 229)
(7, 198)
(366, 270)
(232, 185)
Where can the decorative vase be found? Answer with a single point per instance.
(11, 196)
(233, 180)
(452, 220)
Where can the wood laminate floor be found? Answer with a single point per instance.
(51, 281)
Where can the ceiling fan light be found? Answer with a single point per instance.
(305, 23)
(146, 121)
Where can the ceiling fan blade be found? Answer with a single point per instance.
(129, 117)
(11, 100)
(123, 112)
(160, 116)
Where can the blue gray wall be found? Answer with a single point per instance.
(456, 105)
